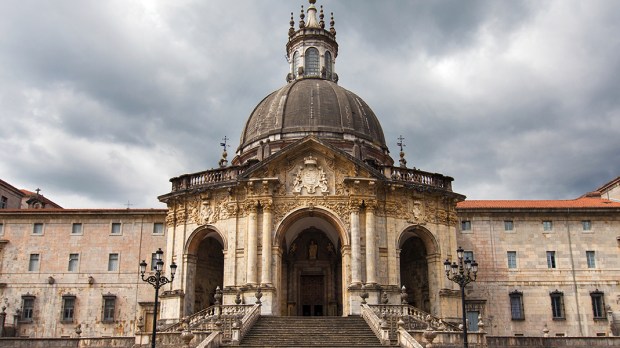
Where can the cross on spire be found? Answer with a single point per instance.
(37, 191)
(224, 144)
(128, 204)
(400, 143)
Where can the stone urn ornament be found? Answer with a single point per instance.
(218, 296)
(238, 297)
(258, 295)
(403, 296)
(364, 294)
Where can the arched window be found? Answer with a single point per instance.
(328, 65)
(312, 62)
(295, 63)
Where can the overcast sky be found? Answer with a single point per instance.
(102, 102)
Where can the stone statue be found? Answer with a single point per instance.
(312, 250)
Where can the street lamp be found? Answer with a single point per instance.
(157, 281)
(462, 273)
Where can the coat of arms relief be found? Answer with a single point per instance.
(310, 176)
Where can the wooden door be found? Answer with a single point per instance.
(312, 295)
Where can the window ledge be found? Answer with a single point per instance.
(560, 319)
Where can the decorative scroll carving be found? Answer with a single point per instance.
(310, 176)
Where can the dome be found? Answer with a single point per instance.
(312, 107)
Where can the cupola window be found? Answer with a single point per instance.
(312, 62)
(296, 64)
(328, 65)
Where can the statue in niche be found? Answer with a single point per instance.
(330, 248)
(292, 249)
(312, 250)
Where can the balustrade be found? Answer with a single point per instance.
(420, 177)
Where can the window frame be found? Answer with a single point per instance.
(67, 314)
(591, 259)
(557, 305)
(112, 262)
(509, 223)
(105, 309)
(163, 229)
(512, 253)
(1, 228)
(296, 64)
(598, 305)
(547, 225)
(75, 263)
(27, 308)
(328, 65)
(4, 202)
(34, 265)
(465, 225)
(586, 225)
(516, 305)
(309, 68)
(120, 229)
(153, 262)
(551, 260)
(77, 229)
(38, 231)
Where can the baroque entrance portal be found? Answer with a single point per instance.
(312, 275)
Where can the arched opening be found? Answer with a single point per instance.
(328, 65)
(205, 269)
(312, 67)
(296, 64)
(311, 276)
(414, 273)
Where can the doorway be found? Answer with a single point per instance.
(312, 295)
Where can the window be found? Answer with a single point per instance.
(1, 228)
(312, 62)
(37, 228)
(76, 228)
(468, 255)
(587, 225)
(550, 259)
(591, 259)
(547, 225)
(68, 308)
(472, 320)
(512, 259)
(116, 228)
(516, 305)
(328, 65)
(33, 265)
(113, 262)
(508, 225)
(466, 225)
(598, 304)
(74, 259)
(158, 228)
(27, 307)
(296, 64)
(3, 202)
(557, 304)
(109, 306)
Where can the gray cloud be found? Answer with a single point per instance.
(102, 102)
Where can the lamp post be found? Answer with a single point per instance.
(157, 280)
(462, 273)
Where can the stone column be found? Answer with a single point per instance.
(356, 267)
(371, 246)
(266, 251)
(251, 252)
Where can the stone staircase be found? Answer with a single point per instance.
(310, 332)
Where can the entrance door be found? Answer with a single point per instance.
(312, 295)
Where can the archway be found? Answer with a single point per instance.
(205, 268)
(311, 275)
(417, 246)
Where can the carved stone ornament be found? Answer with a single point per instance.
(310, 176)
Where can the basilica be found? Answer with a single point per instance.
(313, 214)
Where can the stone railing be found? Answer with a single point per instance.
(419, 177)
(207, 177)
(377, 325)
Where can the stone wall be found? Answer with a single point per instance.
(540, 342)
(108, 342)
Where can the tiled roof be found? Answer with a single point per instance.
(582, 202)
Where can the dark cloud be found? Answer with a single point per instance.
(102, 102)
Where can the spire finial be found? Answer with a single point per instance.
(321, 16)
(402, 161)
(312, 22)
(331, 25)
(224, 162)
(302, 24)
(291, 30)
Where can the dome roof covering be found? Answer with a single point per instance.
(312, 106)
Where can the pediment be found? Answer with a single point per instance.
(311, 167)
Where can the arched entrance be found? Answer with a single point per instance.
(416, 245)
(205, 269)
(311, 267)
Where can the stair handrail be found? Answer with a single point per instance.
(207, 314)
(395, 312)
(248, 320)
(376, 324)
